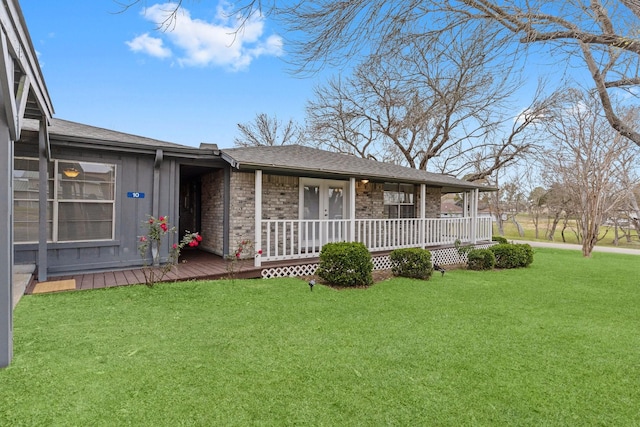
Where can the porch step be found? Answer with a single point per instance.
(22, 275)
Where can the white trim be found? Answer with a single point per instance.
(352, 208)
(423, 213)
(258, 218)
(324, 185)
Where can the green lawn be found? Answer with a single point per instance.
(555, 344)
(525, 221)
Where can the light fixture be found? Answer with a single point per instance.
(364, 181)
(71, 172)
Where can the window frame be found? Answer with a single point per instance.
(399, 204)
(55, 200)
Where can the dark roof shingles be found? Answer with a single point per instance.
(301, 158)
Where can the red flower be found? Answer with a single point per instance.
(161, 218)
(175, 246)
(164, 227)
(150, 220)
(259, 251)
(237, 254)
(199, 238)
(143, 239)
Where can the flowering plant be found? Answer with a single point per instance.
(156, 229)
(245, 249)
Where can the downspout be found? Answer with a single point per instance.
(156, 195)
(44, 158)
(258, 218)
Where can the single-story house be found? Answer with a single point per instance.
(73, 197)
(288, 201)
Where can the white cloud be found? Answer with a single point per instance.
(217, 43)
(149, 45)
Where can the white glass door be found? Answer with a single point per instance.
(321, 200)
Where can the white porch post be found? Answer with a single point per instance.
(258, 218)
(352, 210)
(474, 215)
(423, 215)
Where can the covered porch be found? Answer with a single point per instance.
(295, 239)
(302, 238)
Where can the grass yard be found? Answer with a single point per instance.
(526, 222)
(555, 344)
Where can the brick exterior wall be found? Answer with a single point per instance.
(280, 200)
(242, 208)
(212, 211)
(433, 202)
(369, 200)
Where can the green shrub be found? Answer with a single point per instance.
(411, 262)
(527, 253)
(510, 255)
(499, 239)
(481, 259)
(345, 264)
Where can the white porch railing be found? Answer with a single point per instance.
(294, 239)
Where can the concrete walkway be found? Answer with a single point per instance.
(21, 278)
(575, 247)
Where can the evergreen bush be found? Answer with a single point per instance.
(481, 259)
(499, 239)
(411, 262)
(510, 255)
(345, 264)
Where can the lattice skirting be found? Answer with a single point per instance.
(444, 256)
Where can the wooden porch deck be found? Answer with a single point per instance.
(193, 265)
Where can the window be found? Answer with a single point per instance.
(26, 189)
(399, 200)
(81, 200)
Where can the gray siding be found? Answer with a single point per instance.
(135, 172)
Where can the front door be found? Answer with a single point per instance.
(322, 203)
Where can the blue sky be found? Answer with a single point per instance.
(190, 85)
(114, 69)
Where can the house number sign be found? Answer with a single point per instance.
(135, 195)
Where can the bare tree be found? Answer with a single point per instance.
(609, 49)
(265, 130)
(506, 203)
(560, 206)
(328, 31)
(630, 184)
(586, 157)
(537, 205)
(438, 108)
